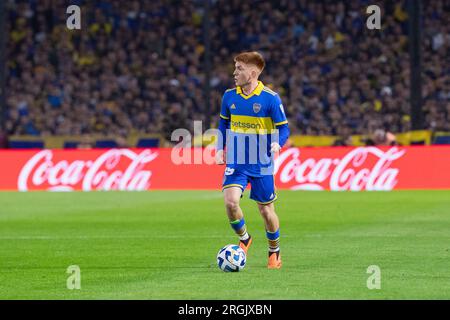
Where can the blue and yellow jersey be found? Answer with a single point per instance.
(252, 120)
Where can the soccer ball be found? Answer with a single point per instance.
(231, 258)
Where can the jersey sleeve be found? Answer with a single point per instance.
(224, 111)
(277, 111)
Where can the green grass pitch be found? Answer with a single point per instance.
(163, 245)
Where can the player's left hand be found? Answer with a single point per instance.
(274, 147)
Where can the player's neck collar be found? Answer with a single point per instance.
(257, 91)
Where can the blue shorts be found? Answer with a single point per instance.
(263, 188)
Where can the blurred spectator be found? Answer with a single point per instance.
(381, 138)
(3, 139)
(121, 142)
(343, 141)
(86, 142)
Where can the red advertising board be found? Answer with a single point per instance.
(331, 168)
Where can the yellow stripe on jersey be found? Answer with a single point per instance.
(223, 117)
(248, 124)
(280, 123)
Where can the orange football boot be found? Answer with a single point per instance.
(274, 260)
(245, 246)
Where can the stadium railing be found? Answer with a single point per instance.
(441, 138)
(418, 137)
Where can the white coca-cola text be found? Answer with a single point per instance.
(103, 173)
(351, 172)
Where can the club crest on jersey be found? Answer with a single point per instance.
(256, 107)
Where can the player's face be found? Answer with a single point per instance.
(242, 73)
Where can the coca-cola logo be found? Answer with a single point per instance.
(363, 168)
(116, 169)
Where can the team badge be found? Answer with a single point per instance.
(256, 107)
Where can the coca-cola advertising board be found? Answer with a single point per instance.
(331, 168)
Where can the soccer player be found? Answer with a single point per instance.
(250, 115)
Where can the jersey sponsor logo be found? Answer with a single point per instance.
(251, 124)
(282, 108)
(245, 125)
(256, 107)
(229, 171)
(233, 106)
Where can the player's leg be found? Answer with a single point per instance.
(232, 196)
(233, 187)
(272, 224)
(263, 192)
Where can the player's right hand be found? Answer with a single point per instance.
(220, 157)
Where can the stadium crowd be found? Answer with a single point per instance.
(137, 66)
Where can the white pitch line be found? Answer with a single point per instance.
(107, 237)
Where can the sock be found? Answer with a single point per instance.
(241, 229)
(274, 241)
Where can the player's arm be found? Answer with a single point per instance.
(224, 124)
(281, 123)
(283, 134)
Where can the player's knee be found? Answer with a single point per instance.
(232, 204)
(266, 211)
